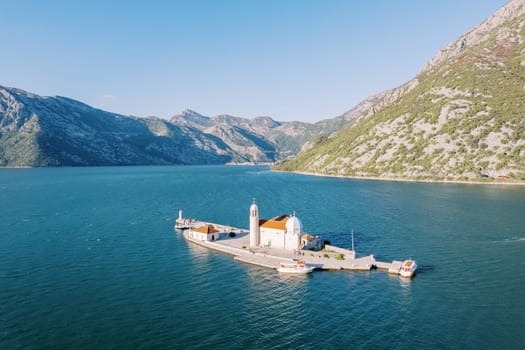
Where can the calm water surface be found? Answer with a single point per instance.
(89, 260)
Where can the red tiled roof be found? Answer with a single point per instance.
(277, 223)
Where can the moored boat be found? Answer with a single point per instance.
(408, 268)
(295, 267)
(184, 224)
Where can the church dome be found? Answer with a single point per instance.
(294, 225)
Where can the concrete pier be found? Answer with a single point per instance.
(235, 241)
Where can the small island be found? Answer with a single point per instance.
(280, 243)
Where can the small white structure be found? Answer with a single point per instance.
(254, 225)
(309, 242)
(180, 222)
(183, 224)
(205, 233)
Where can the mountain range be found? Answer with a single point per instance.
(461, 118)
(263, 139)
(58, 131)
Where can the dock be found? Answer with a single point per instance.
(235, 241)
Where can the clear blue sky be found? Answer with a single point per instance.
(290, 59)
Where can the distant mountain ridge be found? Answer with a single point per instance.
(59, 131)
(243, 136)
(461, 118)
(274, 140)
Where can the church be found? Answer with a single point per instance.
(282, 232)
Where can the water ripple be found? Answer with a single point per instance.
(89, 259)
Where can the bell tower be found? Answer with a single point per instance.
(254, 225)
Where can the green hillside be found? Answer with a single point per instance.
(461, 118)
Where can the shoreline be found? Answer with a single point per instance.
(372, 178)
(307, 173)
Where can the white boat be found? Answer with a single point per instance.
(295, 267)
(184, 224)
(408, 268)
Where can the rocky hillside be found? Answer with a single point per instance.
(263, 139)
(243, 137)
(56, 131)
(292, 137)
(461, 118)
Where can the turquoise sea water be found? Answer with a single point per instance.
(89, 259)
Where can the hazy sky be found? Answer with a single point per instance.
(290, 59)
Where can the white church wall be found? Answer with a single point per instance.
(272, 238)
